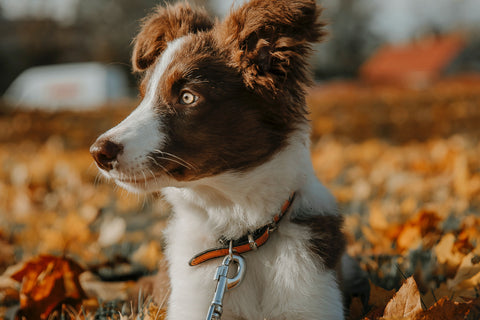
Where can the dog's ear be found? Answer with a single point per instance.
(163, 25)
(269, 41)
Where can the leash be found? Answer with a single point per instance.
(231, 252)
(224, 283)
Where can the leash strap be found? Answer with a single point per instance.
(248, 242)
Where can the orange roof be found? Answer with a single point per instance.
(413, 64)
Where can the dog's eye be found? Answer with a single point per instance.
(188, 98)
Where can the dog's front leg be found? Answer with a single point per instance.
(192, 290)
(188, 305)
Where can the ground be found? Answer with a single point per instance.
(404, 165)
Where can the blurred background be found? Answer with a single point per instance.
(395, 112)
(45, 32)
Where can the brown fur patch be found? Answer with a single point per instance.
(229, 128)
(328, 240)
(163, 25)
(269, 41)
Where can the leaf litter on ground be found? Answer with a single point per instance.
(411, 205)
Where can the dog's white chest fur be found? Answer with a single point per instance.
(284, 280)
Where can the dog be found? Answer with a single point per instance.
(222, 132)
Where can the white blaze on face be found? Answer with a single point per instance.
(141, 132)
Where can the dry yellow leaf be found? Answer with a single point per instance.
(377, 219)
(445, 253)
(469, 269)
(410, 237)
(406, 302)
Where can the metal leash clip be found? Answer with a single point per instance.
(224, 283)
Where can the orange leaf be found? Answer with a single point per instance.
(446, 254)
(410, 237)
(445, 309)
(47, 282)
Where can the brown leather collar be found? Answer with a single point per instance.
(248, 242)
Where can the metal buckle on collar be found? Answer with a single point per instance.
(272, 227)
(251, 242)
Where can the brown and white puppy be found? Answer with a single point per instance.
(222, 133)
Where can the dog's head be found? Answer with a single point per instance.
(216, 96)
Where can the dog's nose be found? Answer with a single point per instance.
(105, 153)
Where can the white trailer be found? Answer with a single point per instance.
(77, 86)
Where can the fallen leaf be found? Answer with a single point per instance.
(469, 267)
(379, 296)
(356, 308)
(446, 254)
(421, 229)
(47, 282)
(446, 309)
(406, 302)
(428, 221)
(409, 238)
(377, 219)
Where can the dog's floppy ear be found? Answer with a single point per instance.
(163, 25)
(269, 40)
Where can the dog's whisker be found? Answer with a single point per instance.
(159, 165)
(164, 153)
(177, 162)
(144, 178)
(153, 175)
(153, 159)
(96, 181)
(175, 159)
(180, 159)
(144, 200)
(92, 164)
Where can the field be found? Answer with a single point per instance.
(404, 165)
